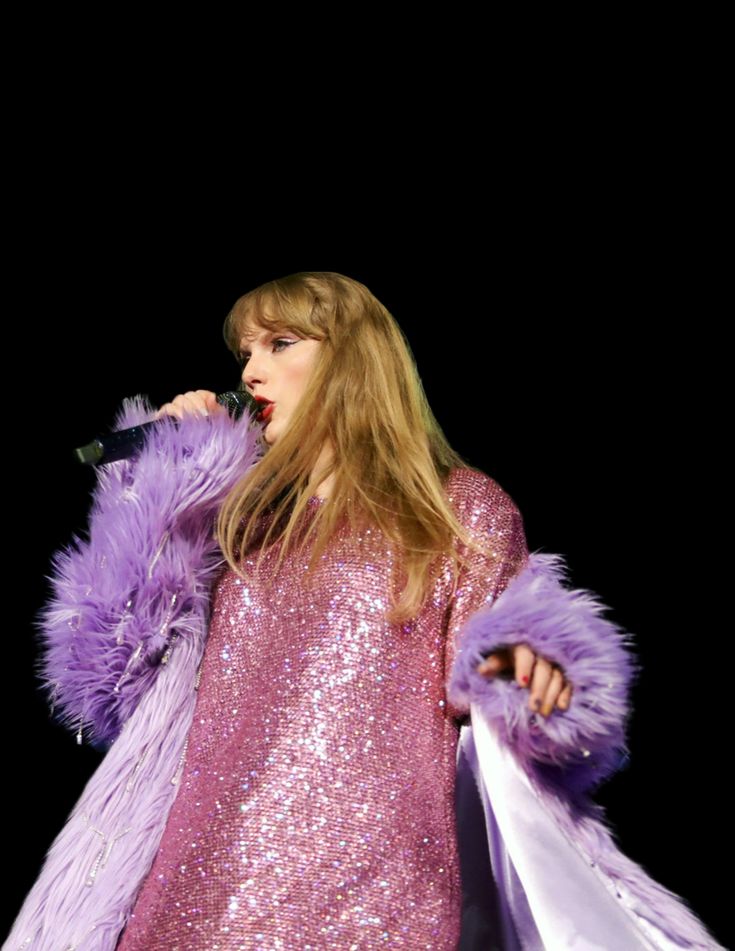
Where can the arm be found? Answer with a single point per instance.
(528, 602)
(121, 598)
(486, 511)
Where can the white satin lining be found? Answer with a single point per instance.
(574, 904)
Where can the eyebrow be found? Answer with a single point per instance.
(249, 338)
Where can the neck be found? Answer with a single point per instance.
(324, 485)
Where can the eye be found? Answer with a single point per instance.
(242, 358)
(281, 340)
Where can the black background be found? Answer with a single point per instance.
(566, 349)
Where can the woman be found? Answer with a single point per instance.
(326, 667)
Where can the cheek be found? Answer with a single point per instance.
(299, 380)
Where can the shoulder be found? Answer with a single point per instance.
(470, 489)
(487, 511)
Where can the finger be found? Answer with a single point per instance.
(490, 665)
(523, 663)
(209, 399)
(193, 403)
(553, 690)
(565, 697)
(495, 662)
(166, 410)
(186, 404)
(176, 407)
(542, 671)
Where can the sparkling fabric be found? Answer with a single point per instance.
(316, 803)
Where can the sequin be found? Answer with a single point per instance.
(315, 808)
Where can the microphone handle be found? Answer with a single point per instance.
(126, 442)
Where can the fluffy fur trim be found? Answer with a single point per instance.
(121, 599)
(579, 747)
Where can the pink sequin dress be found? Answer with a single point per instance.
(316, 804)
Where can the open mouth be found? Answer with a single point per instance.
(265, 413)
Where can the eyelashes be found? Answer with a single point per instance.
(242, 358)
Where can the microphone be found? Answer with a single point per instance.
(126, 442)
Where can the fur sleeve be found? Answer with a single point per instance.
(121, 598)
(573, 749)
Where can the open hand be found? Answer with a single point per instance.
(545, 680)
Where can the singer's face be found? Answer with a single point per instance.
(277, 365)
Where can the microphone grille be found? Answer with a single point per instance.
(237, 401)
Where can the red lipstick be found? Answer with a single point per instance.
(267, 407)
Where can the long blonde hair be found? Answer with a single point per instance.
(365, 397)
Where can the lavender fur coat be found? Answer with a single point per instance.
(123, 640)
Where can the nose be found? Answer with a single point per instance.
(252, 373)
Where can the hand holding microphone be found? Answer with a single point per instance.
(202, 402)
(125, 442)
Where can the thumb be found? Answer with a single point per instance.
(212, 405)
(493, 663)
